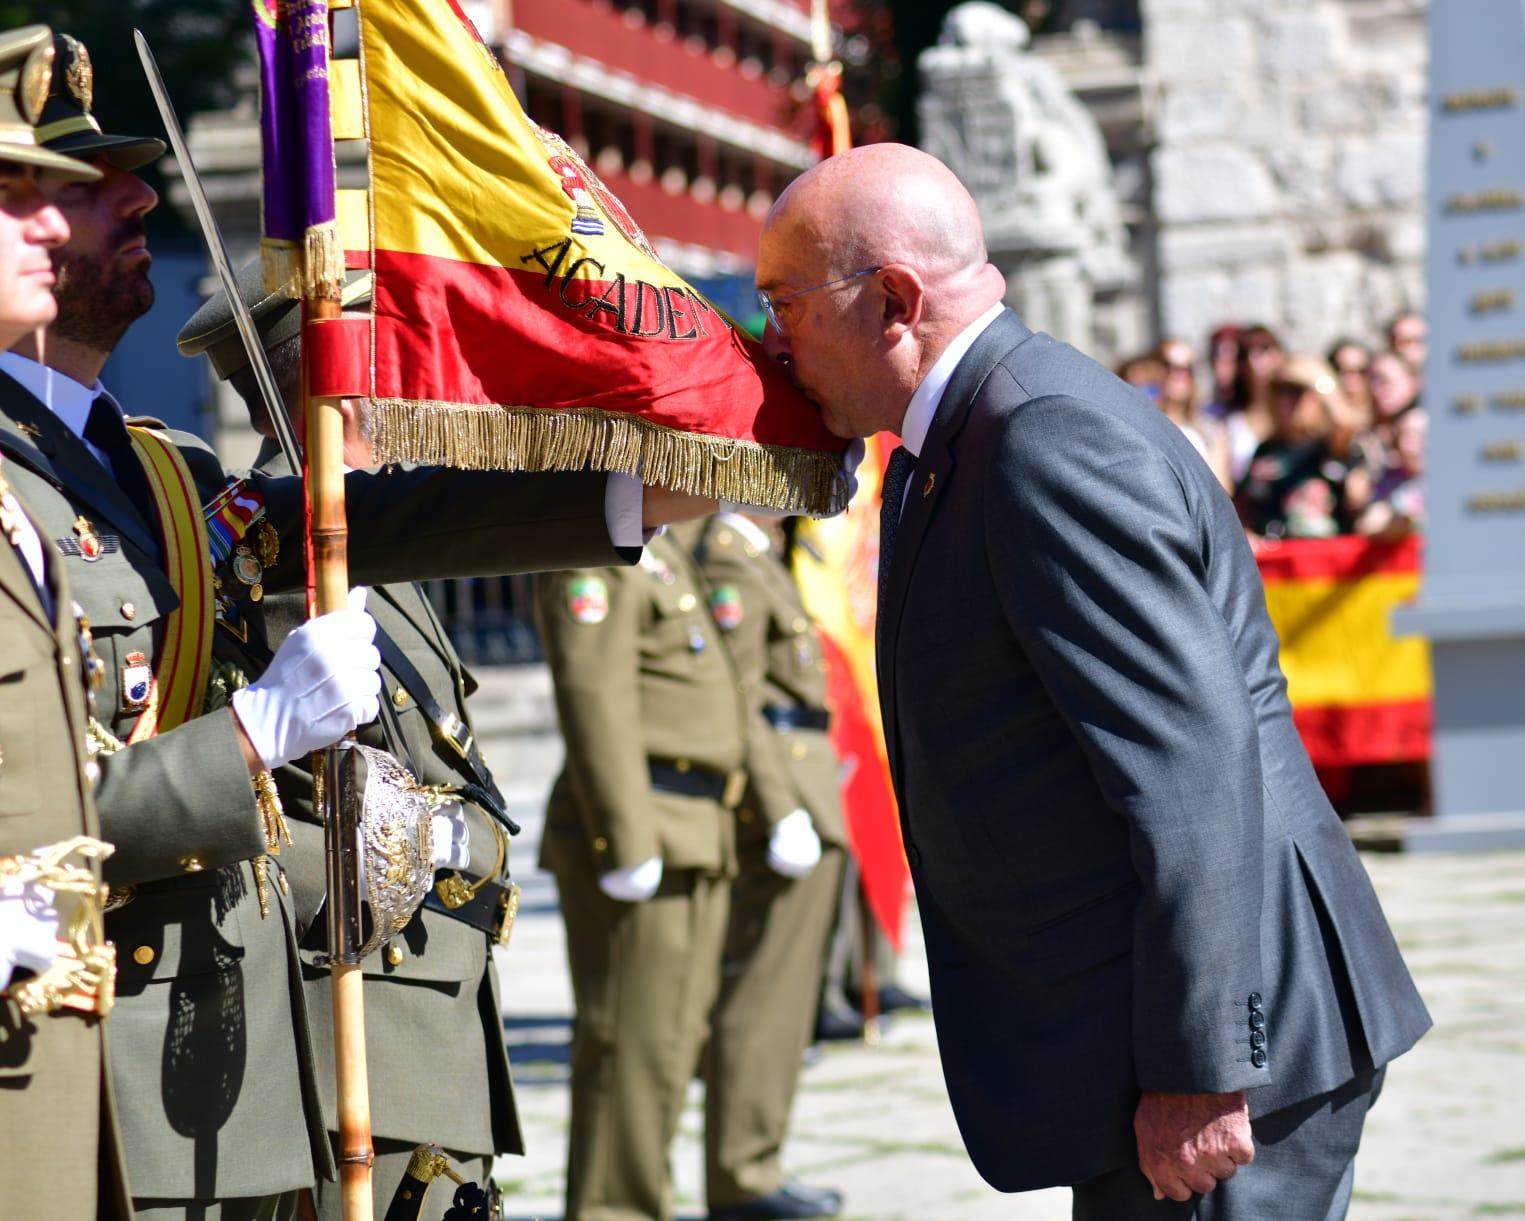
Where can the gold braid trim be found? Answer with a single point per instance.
(83, 975)
(101, 741)
(788, 479)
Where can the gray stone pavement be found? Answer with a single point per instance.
(1446, 1141)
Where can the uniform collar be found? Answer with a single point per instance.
(922, 409)
(66, 398)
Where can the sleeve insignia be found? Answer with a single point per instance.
(588, 599)
(726, 608)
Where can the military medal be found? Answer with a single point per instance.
(248, 569)
(587, 600)
(696, 641)
(90, 545)
(137, 682)
(726, 608)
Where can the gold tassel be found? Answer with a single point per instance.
(268, 799)
(787, 479)
(261, 868)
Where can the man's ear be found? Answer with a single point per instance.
(903, 301)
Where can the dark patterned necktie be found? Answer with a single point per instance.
(106, 431)
(896, 475)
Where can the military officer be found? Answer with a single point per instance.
(640, 837)
(59, 1156)
(433, 1021)
(210, 1055)
(791, 845)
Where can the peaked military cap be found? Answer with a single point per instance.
(67, 126)
(26, 67)
(277, 318)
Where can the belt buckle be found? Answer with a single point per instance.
(735, 789)
(455, 733)
(508, 909)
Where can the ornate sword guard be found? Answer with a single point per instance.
(471, 1202)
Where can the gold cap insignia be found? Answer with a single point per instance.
(36, 79)
(80, 74)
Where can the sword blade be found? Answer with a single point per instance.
(275, 406)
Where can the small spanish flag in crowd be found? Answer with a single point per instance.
(1360, 695)
(520, 318)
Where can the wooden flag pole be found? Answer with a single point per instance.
(330, 566)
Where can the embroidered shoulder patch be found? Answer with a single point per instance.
(726, 608)
(588, 599)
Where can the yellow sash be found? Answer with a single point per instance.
(179, 684)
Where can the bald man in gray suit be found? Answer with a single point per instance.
(1159, 972)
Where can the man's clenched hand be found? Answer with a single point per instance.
(1188, 1142)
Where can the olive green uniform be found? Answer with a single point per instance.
(60, 1155)
(439, 1071)
(210, 1057)
(648, 702)
(779, 926)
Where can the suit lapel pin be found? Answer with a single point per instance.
(926, 489)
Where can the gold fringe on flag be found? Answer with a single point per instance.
(315, 269)
(787, 479)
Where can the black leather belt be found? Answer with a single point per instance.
(481, 903)
(694, 780)
(797, 716)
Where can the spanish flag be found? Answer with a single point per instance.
(1360, 695)
(520, 318)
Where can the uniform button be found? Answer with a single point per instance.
(682, 765)
(143, 955)
(1257, 1020)
(1258, 1058)
(399, 698)
(68, 661)
(799, 625)
(600, 844)
(1257, 1038)
(395, 954)
(1254, 1000)
(129, 610)
(745, 815)
(742, 686)
(798, 751)
(192, 864)
(687, 603)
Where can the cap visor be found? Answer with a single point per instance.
(125, 152)
(67, 169)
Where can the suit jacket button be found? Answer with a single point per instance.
(1258, 1058)
(1257, 1020)
(1254, 1000)
(1257, 1039)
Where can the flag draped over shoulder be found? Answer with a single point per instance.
(299, 246)
(520, 319)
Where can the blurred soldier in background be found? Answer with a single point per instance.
(640, 835)
(59, 1157)
(791, 845)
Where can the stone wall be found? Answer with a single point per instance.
(1288, 163)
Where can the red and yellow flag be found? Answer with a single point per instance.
(521, 319)
(1360, 695)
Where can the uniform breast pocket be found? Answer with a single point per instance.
(30, 712)
(179, 932)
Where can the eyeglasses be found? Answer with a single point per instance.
(771, 303)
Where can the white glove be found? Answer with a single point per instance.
(635, 884)
(794, 848)
(323, 682)
(452, 836)
(28, 929)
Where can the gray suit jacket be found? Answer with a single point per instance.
(1128, 875)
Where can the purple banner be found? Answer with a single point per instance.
(297, 142)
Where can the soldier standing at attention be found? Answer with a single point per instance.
(791, 845)
(58, 1158)
(438, 977)
(639, 833)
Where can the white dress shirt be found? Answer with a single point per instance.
(66, 398)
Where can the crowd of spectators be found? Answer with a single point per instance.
(1308, 446)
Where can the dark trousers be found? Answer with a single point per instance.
(1304, 1167)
